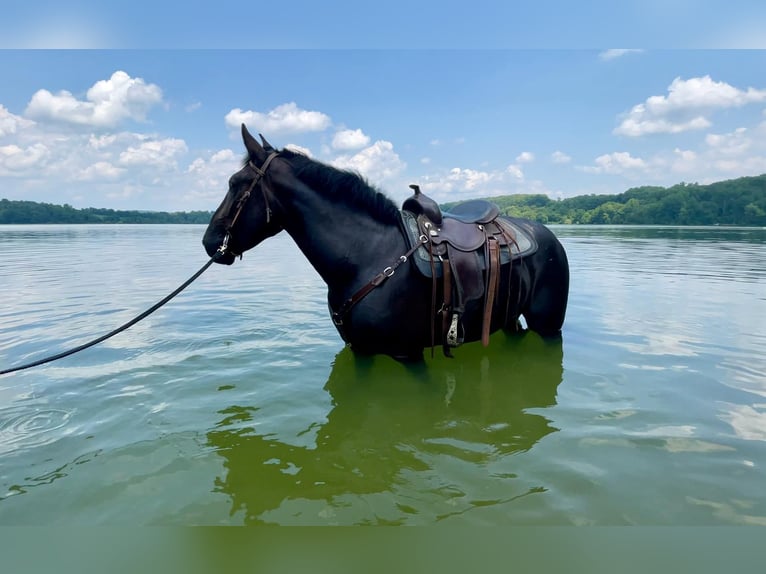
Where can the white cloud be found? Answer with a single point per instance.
(734, 143)
(615, 163)
(210, 176)
(107, 103)
(470, 179)
(720, 156)
(285, 118)
(377, 162)
(525, 157)
(224, 158)
(615, 53)
(300, 149)
(740, 152)
(685, 107)
(127, 191)
(686, 155)
(560, 157)
(154, 152)
(350, 139)
(515, 171)
(458, 184)
(15, 160)
(684, 161)
(639, 127)
(443, 186)
(101, 170)
(101, 142)
(11, 123)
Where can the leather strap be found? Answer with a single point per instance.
(510, 240)
(433, 295)
(259, 173)
(493, 285)
(446, 309)
(379, 279)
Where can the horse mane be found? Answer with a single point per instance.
(345, 186)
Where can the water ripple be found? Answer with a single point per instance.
(25, 427)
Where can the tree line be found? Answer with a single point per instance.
(33, 212)
(740, 201)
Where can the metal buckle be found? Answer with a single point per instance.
(225, 244)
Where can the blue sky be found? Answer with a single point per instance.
(158, 128)
(310, 24)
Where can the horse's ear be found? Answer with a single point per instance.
(251, 144)
(266, 145)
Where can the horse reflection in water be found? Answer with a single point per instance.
(401, 444)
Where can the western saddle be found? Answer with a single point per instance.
(465, 248)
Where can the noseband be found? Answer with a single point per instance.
(259, 173)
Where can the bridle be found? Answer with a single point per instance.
(260, 172)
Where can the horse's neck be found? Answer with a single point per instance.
(342, 244)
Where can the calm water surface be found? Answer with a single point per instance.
(237, 403)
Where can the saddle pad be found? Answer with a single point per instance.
(526, 244)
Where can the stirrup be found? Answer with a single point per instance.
(452, 338)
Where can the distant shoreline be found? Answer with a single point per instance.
(737, 202)
(31, 212)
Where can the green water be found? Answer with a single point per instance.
(237, 403)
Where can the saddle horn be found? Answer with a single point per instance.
(419, 203)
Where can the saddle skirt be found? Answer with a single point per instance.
(464, 251)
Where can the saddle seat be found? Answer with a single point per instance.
(474, 211)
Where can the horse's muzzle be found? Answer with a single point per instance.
(213, 247)
(226, 258)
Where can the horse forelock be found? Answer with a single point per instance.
(345, 186)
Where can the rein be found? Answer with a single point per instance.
(121, 328)
(259, 173)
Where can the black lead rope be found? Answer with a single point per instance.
(121, 328)
(260, 172)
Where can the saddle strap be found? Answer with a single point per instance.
(339, 315)
(446, 310)
(493, 286)
(433, 296)
(510, 240)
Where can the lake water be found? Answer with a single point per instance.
(238, 404)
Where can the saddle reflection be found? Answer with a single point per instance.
(400, 441)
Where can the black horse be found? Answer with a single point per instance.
(353, 236)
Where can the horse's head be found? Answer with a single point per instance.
(245, 216)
